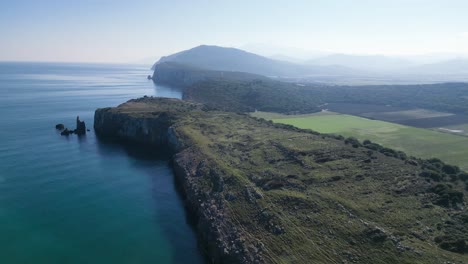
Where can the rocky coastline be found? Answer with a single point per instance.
(218, 236)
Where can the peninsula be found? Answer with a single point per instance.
(269, 193)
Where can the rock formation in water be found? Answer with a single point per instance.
(79, 130)
(80, 127)
(66, 132)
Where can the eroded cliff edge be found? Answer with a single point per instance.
(266, 193)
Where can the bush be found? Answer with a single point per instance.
(433, 175)
(463, 176)
(447, 197)
(449, 169)
(353, 141)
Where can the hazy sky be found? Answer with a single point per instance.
(131, 30)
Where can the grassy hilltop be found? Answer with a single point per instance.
(286, 195)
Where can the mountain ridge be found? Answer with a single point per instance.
(232, 59)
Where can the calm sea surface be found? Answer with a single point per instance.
(78, 200)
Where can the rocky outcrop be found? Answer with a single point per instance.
(66, 132)
(79, 130)
(80, 127)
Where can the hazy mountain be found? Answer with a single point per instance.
(363, 62)
(232, 59)
(274, 51)
(282, 57)
(449, 67)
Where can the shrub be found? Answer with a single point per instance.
(449, 169)
(463, 176)
(353, 141)
(447, 197)
(433, 175)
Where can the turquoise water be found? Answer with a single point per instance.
(78, 200)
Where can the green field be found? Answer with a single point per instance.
(417, 142)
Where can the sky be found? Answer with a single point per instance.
(137, 30)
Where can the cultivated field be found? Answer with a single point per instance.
(405, 115)
(416, 117)
(461, 129)
(418, 142)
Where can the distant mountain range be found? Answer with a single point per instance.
(452, 67)
(335, 67)
(363, 62)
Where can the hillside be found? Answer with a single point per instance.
(181, 75)
(266, 193)
(231, 59)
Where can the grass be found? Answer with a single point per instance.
(417, 142)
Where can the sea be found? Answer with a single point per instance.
(77, 199)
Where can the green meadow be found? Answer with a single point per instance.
(417, 142)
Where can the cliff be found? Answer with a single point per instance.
(266, 193)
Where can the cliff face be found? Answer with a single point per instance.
(154, 131)
(221, 237)
(176, 75)
(265, 193)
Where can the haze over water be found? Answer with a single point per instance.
(77, 200)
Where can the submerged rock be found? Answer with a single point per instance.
(59, 127)
(66, 132)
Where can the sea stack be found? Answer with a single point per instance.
(80, 127)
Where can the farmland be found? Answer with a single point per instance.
(414, 141)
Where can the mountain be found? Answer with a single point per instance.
(232, 59)
(363, 62)
(457, 66)
(273, 51)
